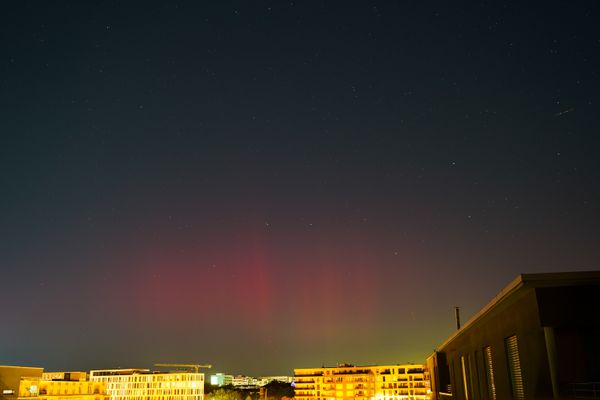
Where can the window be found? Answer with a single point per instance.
(489, 372)
(514, 367)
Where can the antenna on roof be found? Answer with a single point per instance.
(457, 316)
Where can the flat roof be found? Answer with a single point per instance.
(134, 371)
(548, 279)
(350, 366)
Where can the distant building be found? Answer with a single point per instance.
(243, 381)
(537, 339)
(32, 383)
(220, 379)
(265, 380)
(374, 382)
(246, 382)
(143, 384)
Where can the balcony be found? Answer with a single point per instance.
(305, 382)
(353, 372)
(587, 391)
(415, 371)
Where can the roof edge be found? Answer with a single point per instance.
(530, 280)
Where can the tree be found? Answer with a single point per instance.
(225, 394)
(278, 390)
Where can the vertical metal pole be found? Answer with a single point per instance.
(457, 316)
(552, 363)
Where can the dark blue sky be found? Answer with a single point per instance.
(292, 182)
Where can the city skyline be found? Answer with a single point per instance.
(274, 185)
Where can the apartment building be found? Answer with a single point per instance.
(349, 382)
(143, 384)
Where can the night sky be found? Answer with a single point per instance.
(264, 185)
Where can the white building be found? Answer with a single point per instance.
(221, 379)
(143, 384)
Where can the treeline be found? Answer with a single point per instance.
(272, 391)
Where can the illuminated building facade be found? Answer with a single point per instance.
(220, 379)
(21, 383)
(243, 381)
(61, 389)
(374, 382)
(10, 379)
(142, 384)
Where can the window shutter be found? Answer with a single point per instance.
(489, 372)
(514, 367)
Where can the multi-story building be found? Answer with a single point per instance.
(244, 381)
(143, 384)
(10, 379)
(349, 382)
(221, 379)
(28, 383)
(537, 339)
(62, 389)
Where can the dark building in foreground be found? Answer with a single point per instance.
(539, 338)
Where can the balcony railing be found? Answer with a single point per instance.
(415, 371)
(586, 390)
(354, 372)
